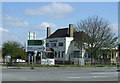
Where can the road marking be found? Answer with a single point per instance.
(88, 77)
(73, 77)
(101, 76)
(81, 77)
(105, 73)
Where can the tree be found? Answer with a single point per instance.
(13, 49)
(99, 33)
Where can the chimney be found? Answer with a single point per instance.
(71, 30)
(48, 31)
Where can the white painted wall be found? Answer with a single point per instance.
(68, 47)
(57, 48)
(70, 51)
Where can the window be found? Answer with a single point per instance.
(53, 44)
(63, 52)
(47, 44)
(88, 55)
(55, 54)
(58, 54)
(76, 54)
(60, 44)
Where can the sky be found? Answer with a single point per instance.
(18, 18)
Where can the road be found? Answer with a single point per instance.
(60, 74)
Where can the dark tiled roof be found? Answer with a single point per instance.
(49, 50)
(60, 33)
(78, 36)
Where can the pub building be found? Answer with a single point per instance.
(60, 46)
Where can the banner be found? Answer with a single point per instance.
(47, 62)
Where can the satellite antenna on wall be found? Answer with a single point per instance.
(31, 35)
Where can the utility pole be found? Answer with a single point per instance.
(41, 56)
(32, 63)
(35, 54)
(118, 62)
(29, 58)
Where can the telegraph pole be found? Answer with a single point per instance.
(41, 56)
(29, 58)
(32, 63)
(118, 61)
(35, 54)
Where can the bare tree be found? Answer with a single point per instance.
(99, 34)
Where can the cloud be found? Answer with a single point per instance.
(6, 36)
(44, 25)
(9, 21)
(17, 24)
(115, 28)
(54, 10)
(9, 18)
(3, 30)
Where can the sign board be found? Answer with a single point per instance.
(20, 60)
(35, 45)
(47, 62)
(81, 61)
(35, 48)
(35, 42)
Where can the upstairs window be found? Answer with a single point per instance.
(53, 44)
(76, 54)
(60, 44)
(47, 44)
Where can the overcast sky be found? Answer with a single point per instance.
(20, 17)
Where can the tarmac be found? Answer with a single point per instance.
(60, 74)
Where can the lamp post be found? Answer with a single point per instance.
(32, 63)
(35, 54)
(32, 56)
(41, 56)
(29, 58)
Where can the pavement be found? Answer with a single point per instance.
(60, 74)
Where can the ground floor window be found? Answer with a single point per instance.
(76, 54)
(55, 54)
(89, 56)
(58, 54)
(63, 52)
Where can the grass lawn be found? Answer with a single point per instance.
(38, 65)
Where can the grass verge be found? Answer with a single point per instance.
(38, 65)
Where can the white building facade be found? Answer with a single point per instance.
(61, 43)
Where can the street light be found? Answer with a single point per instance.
(35, 54)
(29, 58)
(32, 63)
(32, 55)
